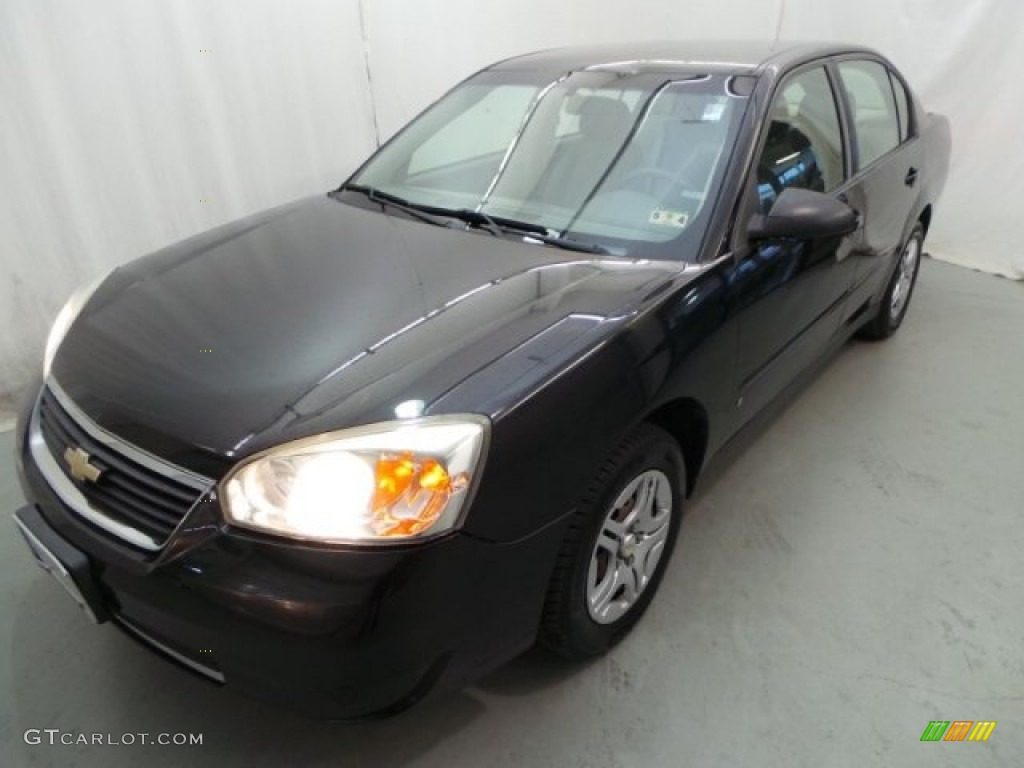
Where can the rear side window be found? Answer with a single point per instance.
(804, 145)
(875, 117)
(902, 106)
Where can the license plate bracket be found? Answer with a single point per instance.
(67, 565)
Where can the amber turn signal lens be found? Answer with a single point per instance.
(433, 477)
(394, 476)
(411, 492)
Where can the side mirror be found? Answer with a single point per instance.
(804, 215)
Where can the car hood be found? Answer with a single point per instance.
(321, 315)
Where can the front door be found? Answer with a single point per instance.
(788, 295)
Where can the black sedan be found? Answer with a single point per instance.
(388, 437)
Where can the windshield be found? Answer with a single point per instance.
(624, 161)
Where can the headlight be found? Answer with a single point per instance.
(64, 320)
(376, 484)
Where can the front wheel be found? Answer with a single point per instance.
(617, 546)
(896, 299)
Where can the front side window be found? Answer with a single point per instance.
(627, 161)
(875, 119)
(804, 146)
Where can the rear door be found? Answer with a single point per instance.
(886, 162)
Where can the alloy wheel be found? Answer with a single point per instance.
(629, 546)
(905, 278)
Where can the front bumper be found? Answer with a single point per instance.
(326, 631)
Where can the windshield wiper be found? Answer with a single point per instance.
(497, 225)
(385, 200)
(568, 244)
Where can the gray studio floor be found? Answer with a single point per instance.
(852, 570)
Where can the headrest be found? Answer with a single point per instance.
(604, 117)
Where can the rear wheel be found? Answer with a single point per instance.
(896, 299)
(617, 547)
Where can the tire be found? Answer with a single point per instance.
(634, 505)
(896, 299)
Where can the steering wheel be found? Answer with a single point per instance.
(647, 172)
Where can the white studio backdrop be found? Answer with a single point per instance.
(126, 125)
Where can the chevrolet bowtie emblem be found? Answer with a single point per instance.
(81, 469)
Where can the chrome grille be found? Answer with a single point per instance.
(134, 491)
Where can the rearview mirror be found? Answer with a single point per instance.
(803, 214)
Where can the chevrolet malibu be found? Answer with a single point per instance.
(383, 439)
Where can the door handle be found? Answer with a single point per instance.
(911, 178)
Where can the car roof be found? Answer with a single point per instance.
(680, 56)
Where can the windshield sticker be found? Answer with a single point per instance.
(713, 111)
(677, 219)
